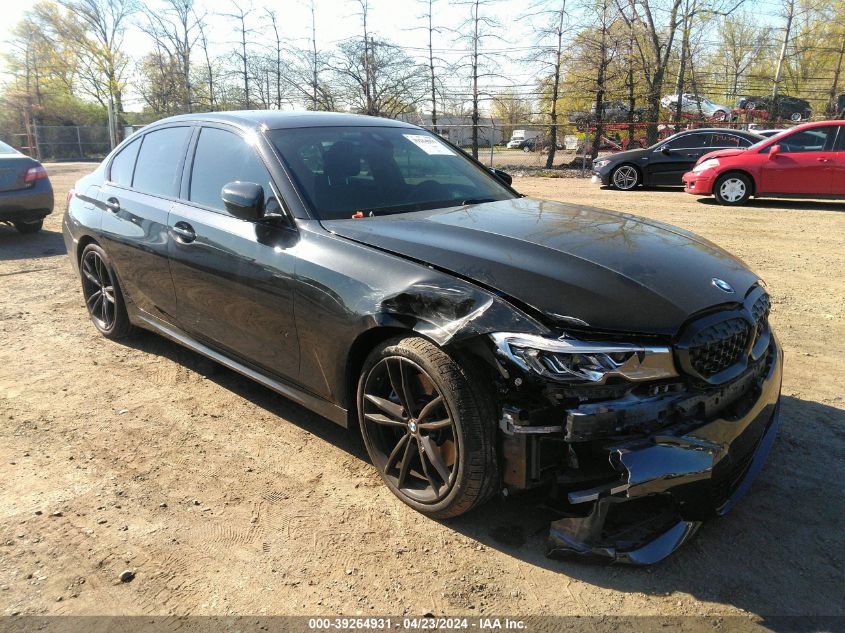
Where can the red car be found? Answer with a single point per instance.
(805, 161)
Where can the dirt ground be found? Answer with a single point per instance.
(224, 498)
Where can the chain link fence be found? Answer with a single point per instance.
(67, 142)
(514, 146)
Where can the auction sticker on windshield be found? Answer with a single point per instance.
(429, 144)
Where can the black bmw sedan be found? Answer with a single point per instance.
(664, 163)
(482, 341)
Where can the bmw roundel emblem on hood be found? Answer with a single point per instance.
(723, 285)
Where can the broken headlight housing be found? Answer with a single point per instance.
(587, 362)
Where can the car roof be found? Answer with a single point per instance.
(720, 130)
(813, 124)
(274, 120)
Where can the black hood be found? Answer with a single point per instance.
(615, 272)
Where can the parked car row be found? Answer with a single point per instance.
(666, 161)
(618, 111)
(734, 165)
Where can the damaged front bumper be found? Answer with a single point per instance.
(670, 481)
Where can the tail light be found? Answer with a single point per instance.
(70, 195)
(35, 173)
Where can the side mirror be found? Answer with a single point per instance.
(504, 176)
(244, 200)
(774, 150)
(665, 151)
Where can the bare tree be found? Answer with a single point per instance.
(653, 40)
(549, 56)
(378, 78)
(209, 70)
(174, 30)
(604, 49)
(477, 28)
(277, 62)
(434, 82)
(240, 16)
(99, 27)
(305, 71)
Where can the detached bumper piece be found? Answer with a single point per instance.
(669, 483)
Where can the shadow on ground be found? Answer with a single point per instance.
(787, 204)
(789, 525)
(15, 246)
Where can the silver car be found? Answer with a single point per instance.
(696, 104)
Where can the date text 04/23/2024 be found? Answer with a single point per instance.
(422, 623)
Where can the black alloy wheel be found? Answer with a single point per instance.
(425, 428)
(102, 294)
(412, 430)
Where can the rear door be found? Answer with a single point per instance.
(141, 185)
(233, 278)
(675, 157)
(805, 164)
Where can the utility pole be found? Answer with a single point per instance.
(779, 72)
(682, 68)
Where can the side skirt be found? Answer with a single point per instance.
(322, 407)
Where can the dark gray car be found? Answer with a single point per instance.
(26, 195)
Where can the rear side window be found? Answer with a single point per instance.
(156, 171)
(123, 164)
(728, 140)
(688, 141)
(220, 158)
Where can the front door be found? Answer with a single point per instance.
(675, 157)
(233, 278)
(141, 186)
(804, 165)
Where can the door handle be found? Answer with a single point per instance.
(184, 232)
(113, 205)
(825, 160)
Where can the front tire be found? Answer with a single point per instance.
(625, 177)
(428, 426)
(102, 294)
(26, 228)
(732, 189)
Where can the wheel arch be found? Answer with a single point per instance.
(734, 170)
(84, 241)
(470, 353)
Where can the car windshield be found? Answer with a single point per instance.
(343, 172)
(7, 149)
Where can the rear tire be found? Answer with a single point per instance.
(102, 294)
(733, 189)
(27, 228)
(443, 424)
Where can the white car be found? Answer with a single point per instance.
(696, 104)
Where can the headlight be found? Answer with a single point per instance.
(573, 361)
(601, 163)
(710, 163)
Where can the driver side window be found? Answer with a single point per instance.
(220, 158)
(817, 139)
